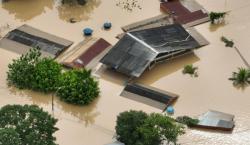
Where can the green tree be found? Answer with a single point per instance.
(138, 128)
(21, 71)
(127, 125)
(78, 87)
(31, 123)
(46, 75)
(158, 128)
(9, 136)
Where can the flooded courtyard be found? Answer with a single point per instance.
(94, 124)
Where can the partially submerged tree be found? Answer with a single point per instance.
(158, 129)
(190, 69)
(21, 70)
(46, 75)
(216, 16)
(127, 126)
(242, 77)
(78, 87)
(30, 71)
(138, 128)
(29, 123)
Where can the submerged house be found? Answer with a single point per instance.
(139, 50)
(21, 39)
(149, 95)
(185, 12)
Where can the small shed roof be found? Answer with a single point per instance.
(147, 92)
(216, 120)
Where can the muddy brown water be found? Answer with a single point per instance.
(94, 124)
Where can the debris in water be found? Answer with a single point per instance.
(128, 5)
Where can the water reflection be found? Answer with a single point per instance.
(76, 12)
(82, 114)
(112, 76)
(166, 68)
(27, 9)
(35, 97)
(214, 27)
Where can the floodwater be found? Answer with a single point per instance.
(94, 124)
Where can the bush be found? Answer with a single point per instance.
(80, 2)
(46, 75)
(187, 120)
(228, 43)
(31, 123)
(242, 77)
(9, 136)
(78, 87)
(216, 15)
(190, 69)
(21, 71)
(138, 128)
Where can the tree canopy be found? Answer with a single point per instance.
(78, 87)
(139, 128)
(29, 123)
(31, 71)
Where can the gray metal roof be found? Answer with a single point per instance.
(129, 56)
(137, 49)
(215, 119)
(167, 38)
(29, 37)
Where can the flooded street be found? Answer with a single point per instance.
(94, 124)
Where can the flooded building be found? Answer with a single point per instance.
(139, 50)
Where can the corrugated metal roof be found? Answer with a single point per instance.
(129, 57)
(32, 37)
(161, 96)
(216, 120)
(138, 49)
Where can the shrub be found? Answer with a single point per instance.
(216, 15)
(242, 77)
(46, 75)
(80, 2)
(31, 123)
(187, 120)
(190, 69)
(78, 87)
(228, 43)
(9, 136)
(21, 71)
(138, 128)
